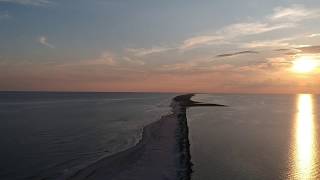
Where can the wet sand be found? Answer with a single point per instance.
(162, 153)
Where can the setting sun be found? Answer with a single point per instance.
(304, 64)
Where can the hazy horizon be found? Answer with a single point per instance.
(162, 92)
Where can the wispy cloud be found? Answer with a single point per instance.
(241, 29)
(275, 43)
(314, 35)
(293, 13)
(237, 53)
(282, 50)
(44, 41)
(230, 32)
(106, 58)
(281, 18)
(29, 2)
(133, 61)
(178, 67)
(300, 50)
(251, 28)
(147, 51)
(221, 36)
(310, 49)
(201, 40)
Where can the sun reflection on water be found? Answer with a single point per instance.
(304, 148)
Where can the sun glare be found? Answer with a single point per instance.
(305, 148)
(304, 64)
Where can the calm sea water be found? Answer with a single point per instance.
(256, 137)
(52, 135)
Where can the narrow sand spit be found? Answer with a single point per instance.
(162, 154)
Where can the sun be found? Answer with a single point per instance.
(304, 64)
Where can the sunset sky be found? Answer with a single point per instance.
(249, 46)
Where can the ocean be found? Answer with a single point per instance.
(255, 137)
(47, 135)
(53, 136)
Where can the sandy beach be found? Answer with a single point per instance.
(162, 153)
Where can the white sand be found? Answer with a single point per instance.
(162, 154)
(155, 157)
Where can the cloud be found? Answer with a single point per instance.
(293, 13)
(269, 43)
(250, 28)
(237, 53)
(29, 2)
(230, 32)
(314, 35)
(279, 62)
(44, 41)
(106, 58)
(300, 50)
(241, 29)
(282, 49)
(222, 36)
(147, 51)
(310, 49)
(133, 61)
(178, 67)
(233, 32)
(201, 40)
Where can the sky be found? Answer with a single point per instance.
(225, 46)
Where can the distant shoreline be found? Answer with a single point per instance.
(162, 153)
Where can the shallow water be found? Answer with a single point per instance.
(256, 137)
(52, 135)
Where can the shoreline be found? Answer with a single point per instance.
(162, 153)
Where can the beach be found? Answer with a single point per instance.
(61, 133)
(162, 153)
